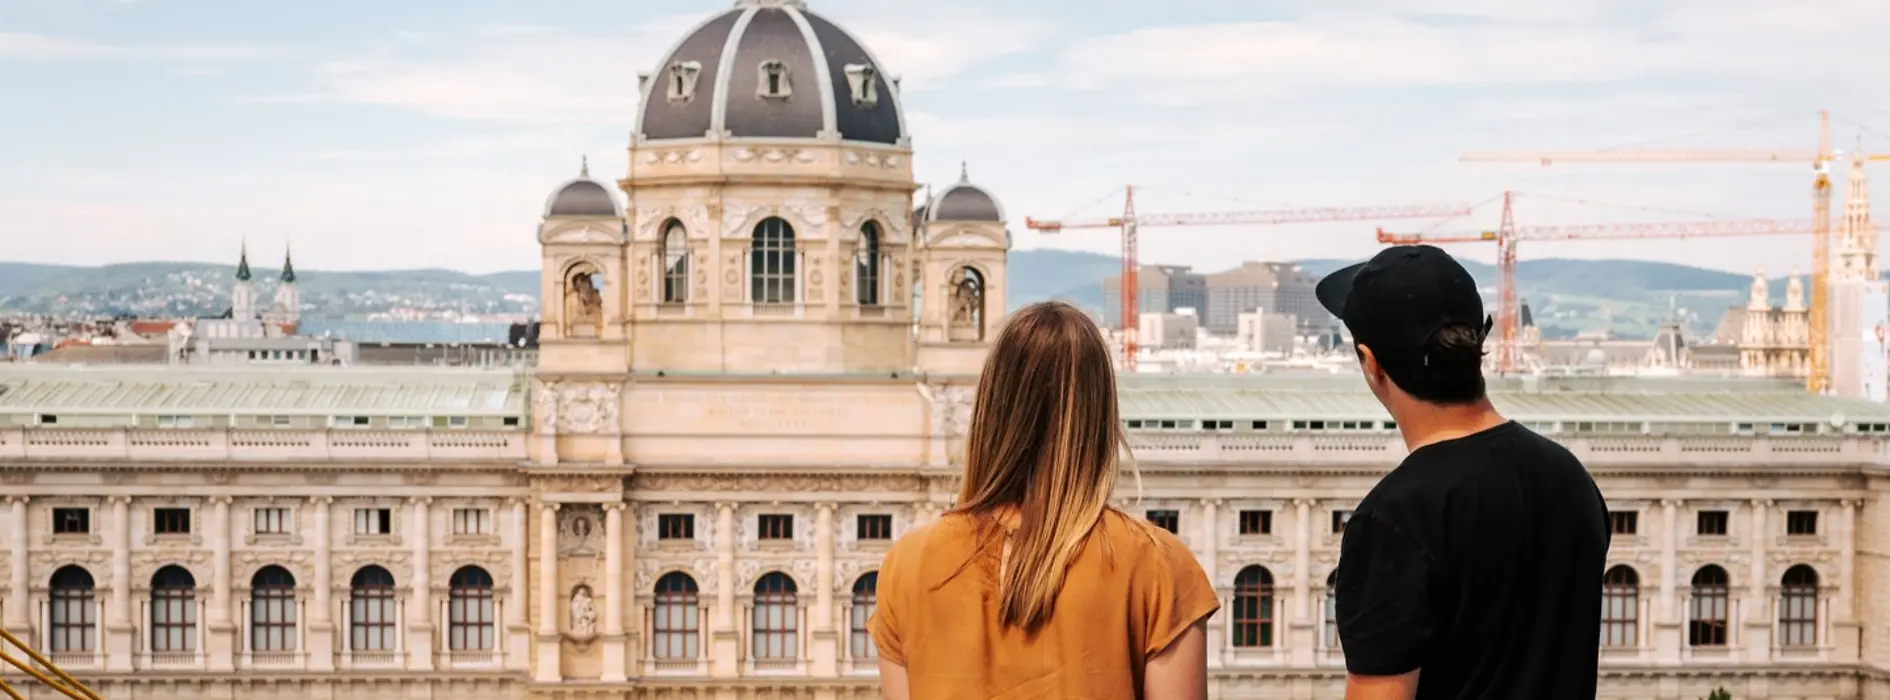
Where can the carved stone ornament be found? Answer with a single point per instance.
(580, 528)
(873, 159)
(779, 483)
(545, 402)
(672, 157)
(588, 408)
(581, 235)
(951, 409)
(773, 155)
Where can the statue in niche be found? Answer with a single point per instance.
(967, 305)
(583, 614)
(583, 304)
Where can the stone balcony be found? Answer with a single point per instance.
(1184, 449)
(238, 445)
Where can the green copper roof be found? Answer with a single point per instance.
(242, 265)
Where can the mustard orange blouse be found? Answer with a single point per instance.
(1128, 595)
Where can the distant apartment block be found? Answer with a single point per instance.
(1164, 289)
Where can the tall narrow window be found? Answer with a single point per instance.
(771, 262)
(1620, 607)
(469, 610)
(777, 618)
(682, 80)
(74, 611)
(675, 620)
(774, 80)
(272, 610)
(1707, 612)
(865, 600)
(675, 263)
(1798, 608)
(173, 610)
(371, 611)
(1332, 610)
(1253, 608)
(866, 267)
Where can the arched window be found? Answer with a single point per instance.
(675, 255)
(173, 610)
(865, 599)
(371, 610)
(1620, 607)
(1253, 607)
(1332, 610)
(1798, 607)
(469, 610)
(1707, 612)
(777, 617)
(966, 299)
(771, 263)
(676, 619)
(866, 267)
(272, 610)
(74, 610)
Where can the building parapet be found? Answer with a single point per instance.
(238, 445)
(1603, 451)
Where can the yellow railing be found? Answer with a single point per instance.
(39, 667)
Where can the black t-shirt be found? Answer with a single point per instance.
(1479, 561)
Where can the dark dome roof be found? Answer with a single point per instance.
(713, 81)
(582, 197)
(965, 202)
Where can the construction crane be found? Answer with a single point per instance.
(1508, 235)
(40, 669)
(1818, 380)
(1130, 223)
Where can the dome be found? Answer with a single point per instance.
(965, 202)
(771, 69)
(582, 197)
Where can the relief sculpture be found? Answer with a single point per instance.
(588, 408)
(583, 303)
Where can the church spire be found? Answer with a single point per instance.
(242, 263)
(288, 266)
(584, 168)
(1857, 234)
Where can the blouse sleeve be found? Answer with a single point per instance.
(1179, 596)
(884, 624)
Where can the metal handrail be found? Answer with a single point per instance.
(59, 680)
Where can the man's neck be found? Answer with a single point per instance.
(1428, 424)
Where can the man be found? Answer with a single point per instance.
(1473, 570)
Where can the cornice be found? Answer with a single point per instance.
(312, 466)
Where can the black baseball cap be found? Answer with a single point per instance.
(1396, 301)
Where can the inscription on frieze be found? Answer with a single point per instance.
(775, 412)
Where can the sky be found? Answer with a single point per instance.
(375, 135)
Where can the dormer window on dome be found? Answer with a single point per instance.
(682, 80)
(774, 81)
(864, 82)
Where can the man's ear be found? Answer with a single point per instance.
(1369, 362)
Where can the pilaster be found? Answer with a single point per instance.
(725, 642)
(1845, 625)
(1757, 639)
(119, 629)
(613, 641)
(18, 606)
(1667, 621)
(321, 623)
(1302, 630)
(420, 607)
(518, 605)
(549, 665)
(1210, 549)
(222, 644)
(824, 656)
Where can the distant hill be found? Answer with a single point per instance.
(1627, 297)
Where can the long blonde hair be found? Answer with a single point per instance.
(1043, 440)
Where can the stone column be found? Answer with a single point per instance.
(1757, 639)
(1210, 547)
(824, 656)
(118, 626)
(420, 607)
(223, 639)
(727, 635)
(518, 604)
(321, 625)
(1667, 620)
(549, 668)
(1844, 622)
(19, 606)
(1303, 639)
(614, 661)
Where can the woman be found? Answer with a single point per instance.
(1033, 586)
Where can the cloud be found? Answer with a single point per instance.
(41, 47)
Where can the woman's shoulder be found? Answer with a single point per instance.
(1146, 542)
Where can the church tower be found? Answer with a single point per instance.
(1856, 249)
(243, 293)
(287, 309)
(964, 247)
